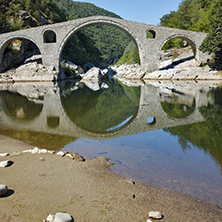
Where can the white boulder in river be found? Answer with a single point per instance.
(59, 217)
(3, 190)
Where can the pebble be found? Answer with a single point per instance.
(3, 190)
(155, 215)
(16, 153)
(69, 155)
(6, 163)
(78, 157)
(4, 154)
(35, 150)
(149, 220)
(59, 217)
(43, 151)
(61, 153)
(39, 151)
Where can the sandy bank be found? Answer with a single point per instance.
(41, 184)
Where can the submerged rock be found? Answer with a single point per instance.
(59, 217)
(3, 190)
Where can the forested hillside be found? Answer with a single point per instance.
(201, 16)
(101, 45)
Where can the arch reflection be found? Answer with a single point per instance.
(178, 106)
(102, 111)
(18, 107)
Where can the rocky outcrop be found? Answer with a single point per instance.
(28, 20)
(34, 72)
(133, 71)
(179, 70)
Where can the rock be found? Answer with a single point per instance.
(72, 65)
(27, 151)
(16, 153)
(42, 151)
(4, 154)
(6, 163)
(149, 220)
(61, 153)
(155, 215)
(32, 71)
(104, 161)
(59, 217)
(69, 155)
(95, 73)
(3, 190)
(78, 157)
(27, 19)
(35, 150)
(51, 151)
(93, 85)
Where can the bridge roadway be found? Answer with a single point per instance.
(51, 39)
(149, 107)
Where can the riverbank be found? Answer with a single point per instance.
(182, 68)
(88, 190)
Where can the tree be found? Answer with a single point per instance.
(213, 42)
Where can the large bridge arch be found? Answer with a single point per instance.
(107, 21)
(9, 39)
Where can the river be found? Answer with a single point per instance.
(164, 134)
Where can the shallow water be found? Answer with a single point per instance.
(163, 134)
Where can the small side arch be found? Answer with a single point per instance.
(190, 41)
(49, 36)
(151, 34)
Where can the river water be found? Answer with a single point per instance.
(164, 134)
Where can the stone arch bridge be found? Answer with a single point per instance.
(51, 39)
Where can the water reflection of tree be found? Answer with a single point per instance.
(97, 111)
(19, 107)
(206, 135)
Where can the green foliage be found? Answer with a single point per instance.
(205, 135)
(202, 16)
(177, 110)
(173, 43)
(16, 24)
(75, 10)
(213, 42)
(192, 15)
(101, 45)
(130, 56)
(99, 111)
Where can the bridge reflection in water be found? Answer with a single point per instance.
(73, 109)
(51, 116)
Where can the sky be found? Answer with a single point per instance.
(145, 11)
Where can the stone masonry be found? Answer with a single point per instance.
(51, 39)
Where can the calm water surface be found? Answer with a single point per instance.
(167, 135)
